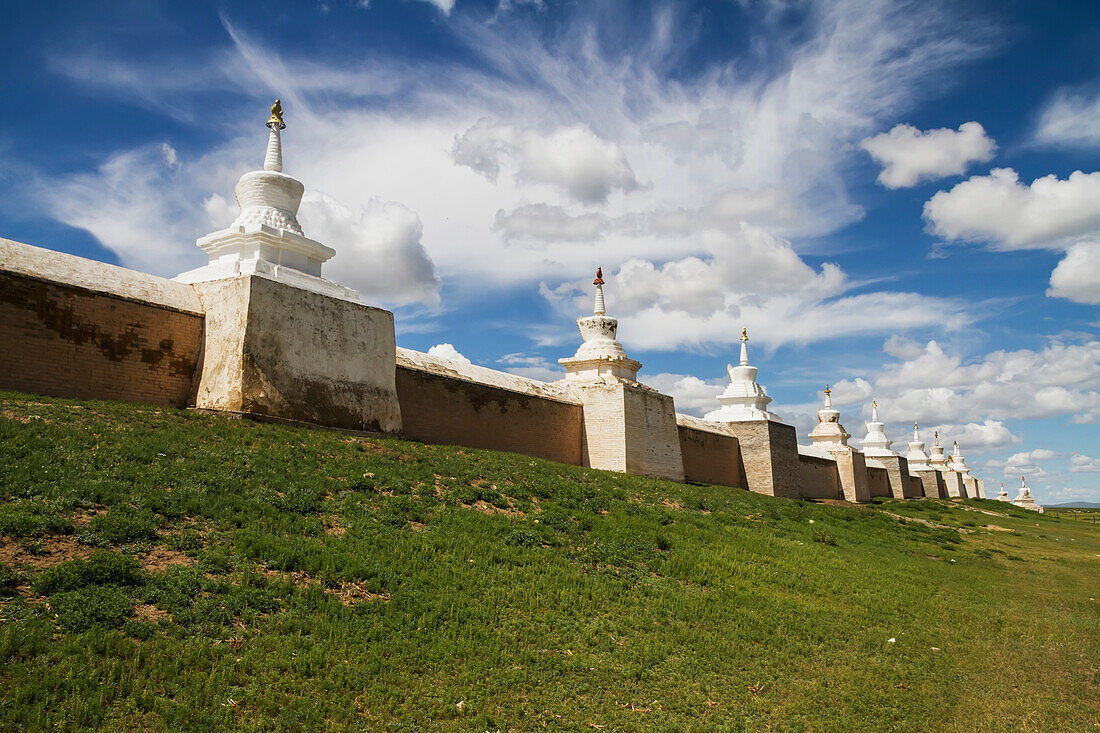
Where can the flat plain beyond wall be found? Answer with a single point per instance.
(436, 408)
(71, 327)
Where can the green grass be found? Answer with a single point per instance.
(233, 575)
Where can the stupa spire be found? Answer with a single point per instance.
(743, 400)
(917, 458)
(266, 239)
(936, 458)
(829, 431)
(273, 161)
(599, 309)
(601, 356)
(876, 443)
(958, 462)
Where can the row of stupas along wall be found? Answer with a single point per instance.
(259, 331)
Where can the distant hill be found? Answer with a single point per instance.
(1075, 505)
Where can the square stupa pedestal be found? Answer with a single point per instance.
(932, 483)
(897, 470)
(953, 481)
(769, 456)
(277, 350)
(629, 427)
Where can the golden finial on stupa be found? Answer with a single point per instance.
(276, 119)
(827, 389)
(874, 403)
(744, 334)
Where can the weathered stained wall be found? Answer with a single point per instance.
(436, 408)
(916, 487)
(878, 480)
(818, 477)
(709, 456)
(72, 327)
(277, 350)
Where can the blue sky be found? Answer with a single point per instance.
(899, 199)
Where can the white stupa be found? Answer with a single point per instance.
(829, 433)
(958, 463)
(937, 459)
(266, 238)
(1002, 495)
(600, 355)
(743, 399)
(1024, 498)
(917, 458)
(876, 443)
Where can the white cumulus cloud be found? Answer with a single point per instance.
(378, 248)
(693, 396)
(1070, 120)
(1080, 463)
(572, 158)
(448, 352)
(1008, 214)
(1077, 276)
(973, 398)
(910, 156)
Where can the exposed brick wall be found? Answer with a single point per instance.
(440, 409)
(710, 458)
(70, 342)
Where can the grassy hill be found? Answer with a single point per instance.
(173, 570)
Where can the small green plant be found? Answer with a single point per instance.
(189, 540)
(32, 519)
(106, 606)
(102, 568)
(9, 581)
(120, 525)
(824, 536)
(35, 547)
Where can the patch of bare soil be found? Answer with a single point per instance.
(333, 528)
(347, 592)
(927, 523)
(983, 511)
(83, 519)
(997, 528)
(672, 504)
(21, 418)
(41, 552)
(486, 508)
(161, 558)
(150, 613)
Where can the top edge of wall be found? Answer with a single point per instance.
(423, 362)
(98, 277)
(698, 423)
